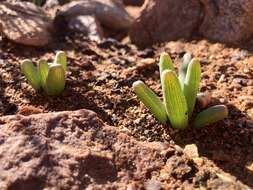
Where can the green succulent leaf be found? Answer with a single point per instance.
(174, 99)
(31, 73)
(210, 115)
(43, 71)
(191, 84)
(165, 63)
(61, 59)
(183, 68)
(55, 82)
(151, 101)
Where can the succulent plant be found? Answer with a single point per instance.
(179, 95)
(48, 76)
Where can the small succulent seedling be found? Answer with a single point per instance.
(48, 76)
(179, 95)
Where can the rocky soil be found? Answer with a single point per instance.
(118, 144)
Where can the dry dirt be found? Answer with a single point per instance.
(100, 78)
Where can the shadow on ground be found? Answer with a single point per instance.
(227, 143)
(6, 107)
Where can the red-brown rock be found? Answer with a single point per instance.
(229, 21)
(25, 23)
(165, 20)
(222, 21)
(72, 150)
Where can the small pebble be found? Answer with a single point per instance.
(240, 81)
(246, 71)
(249, 167)
(153, 185)
(137, 121)
(222, 78)
(222, 100)
(191, 150)
(131, 187)
(204, 99)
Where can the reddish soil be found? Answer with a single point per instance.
(100, 78)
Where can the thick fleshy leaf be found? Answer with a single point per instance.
(183, 68)
(151, 101)
(210, 115)
(191, 84)
(31, 73)
(55, 82)
(43, 71)
(174, 99)
(61, 59)
(165, 63)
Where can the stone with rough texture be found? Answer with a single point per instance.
(110, 13)
(229, 21)
(87, 25)
(165, 20)
(25, 23)
(49, 4)
(75, 150)
(72, 150)
(191, 150)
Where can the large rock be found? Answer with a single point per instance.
(109, 13)
(87, 25)
(72, 150)
(229, 21)
(167, 20)
(25, 23)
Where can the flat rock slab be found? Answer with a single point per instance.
(75, 150)
(72, 150)
(25, 23)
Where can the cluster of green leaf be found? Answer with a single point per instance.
(48, 76)
(179, 95)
